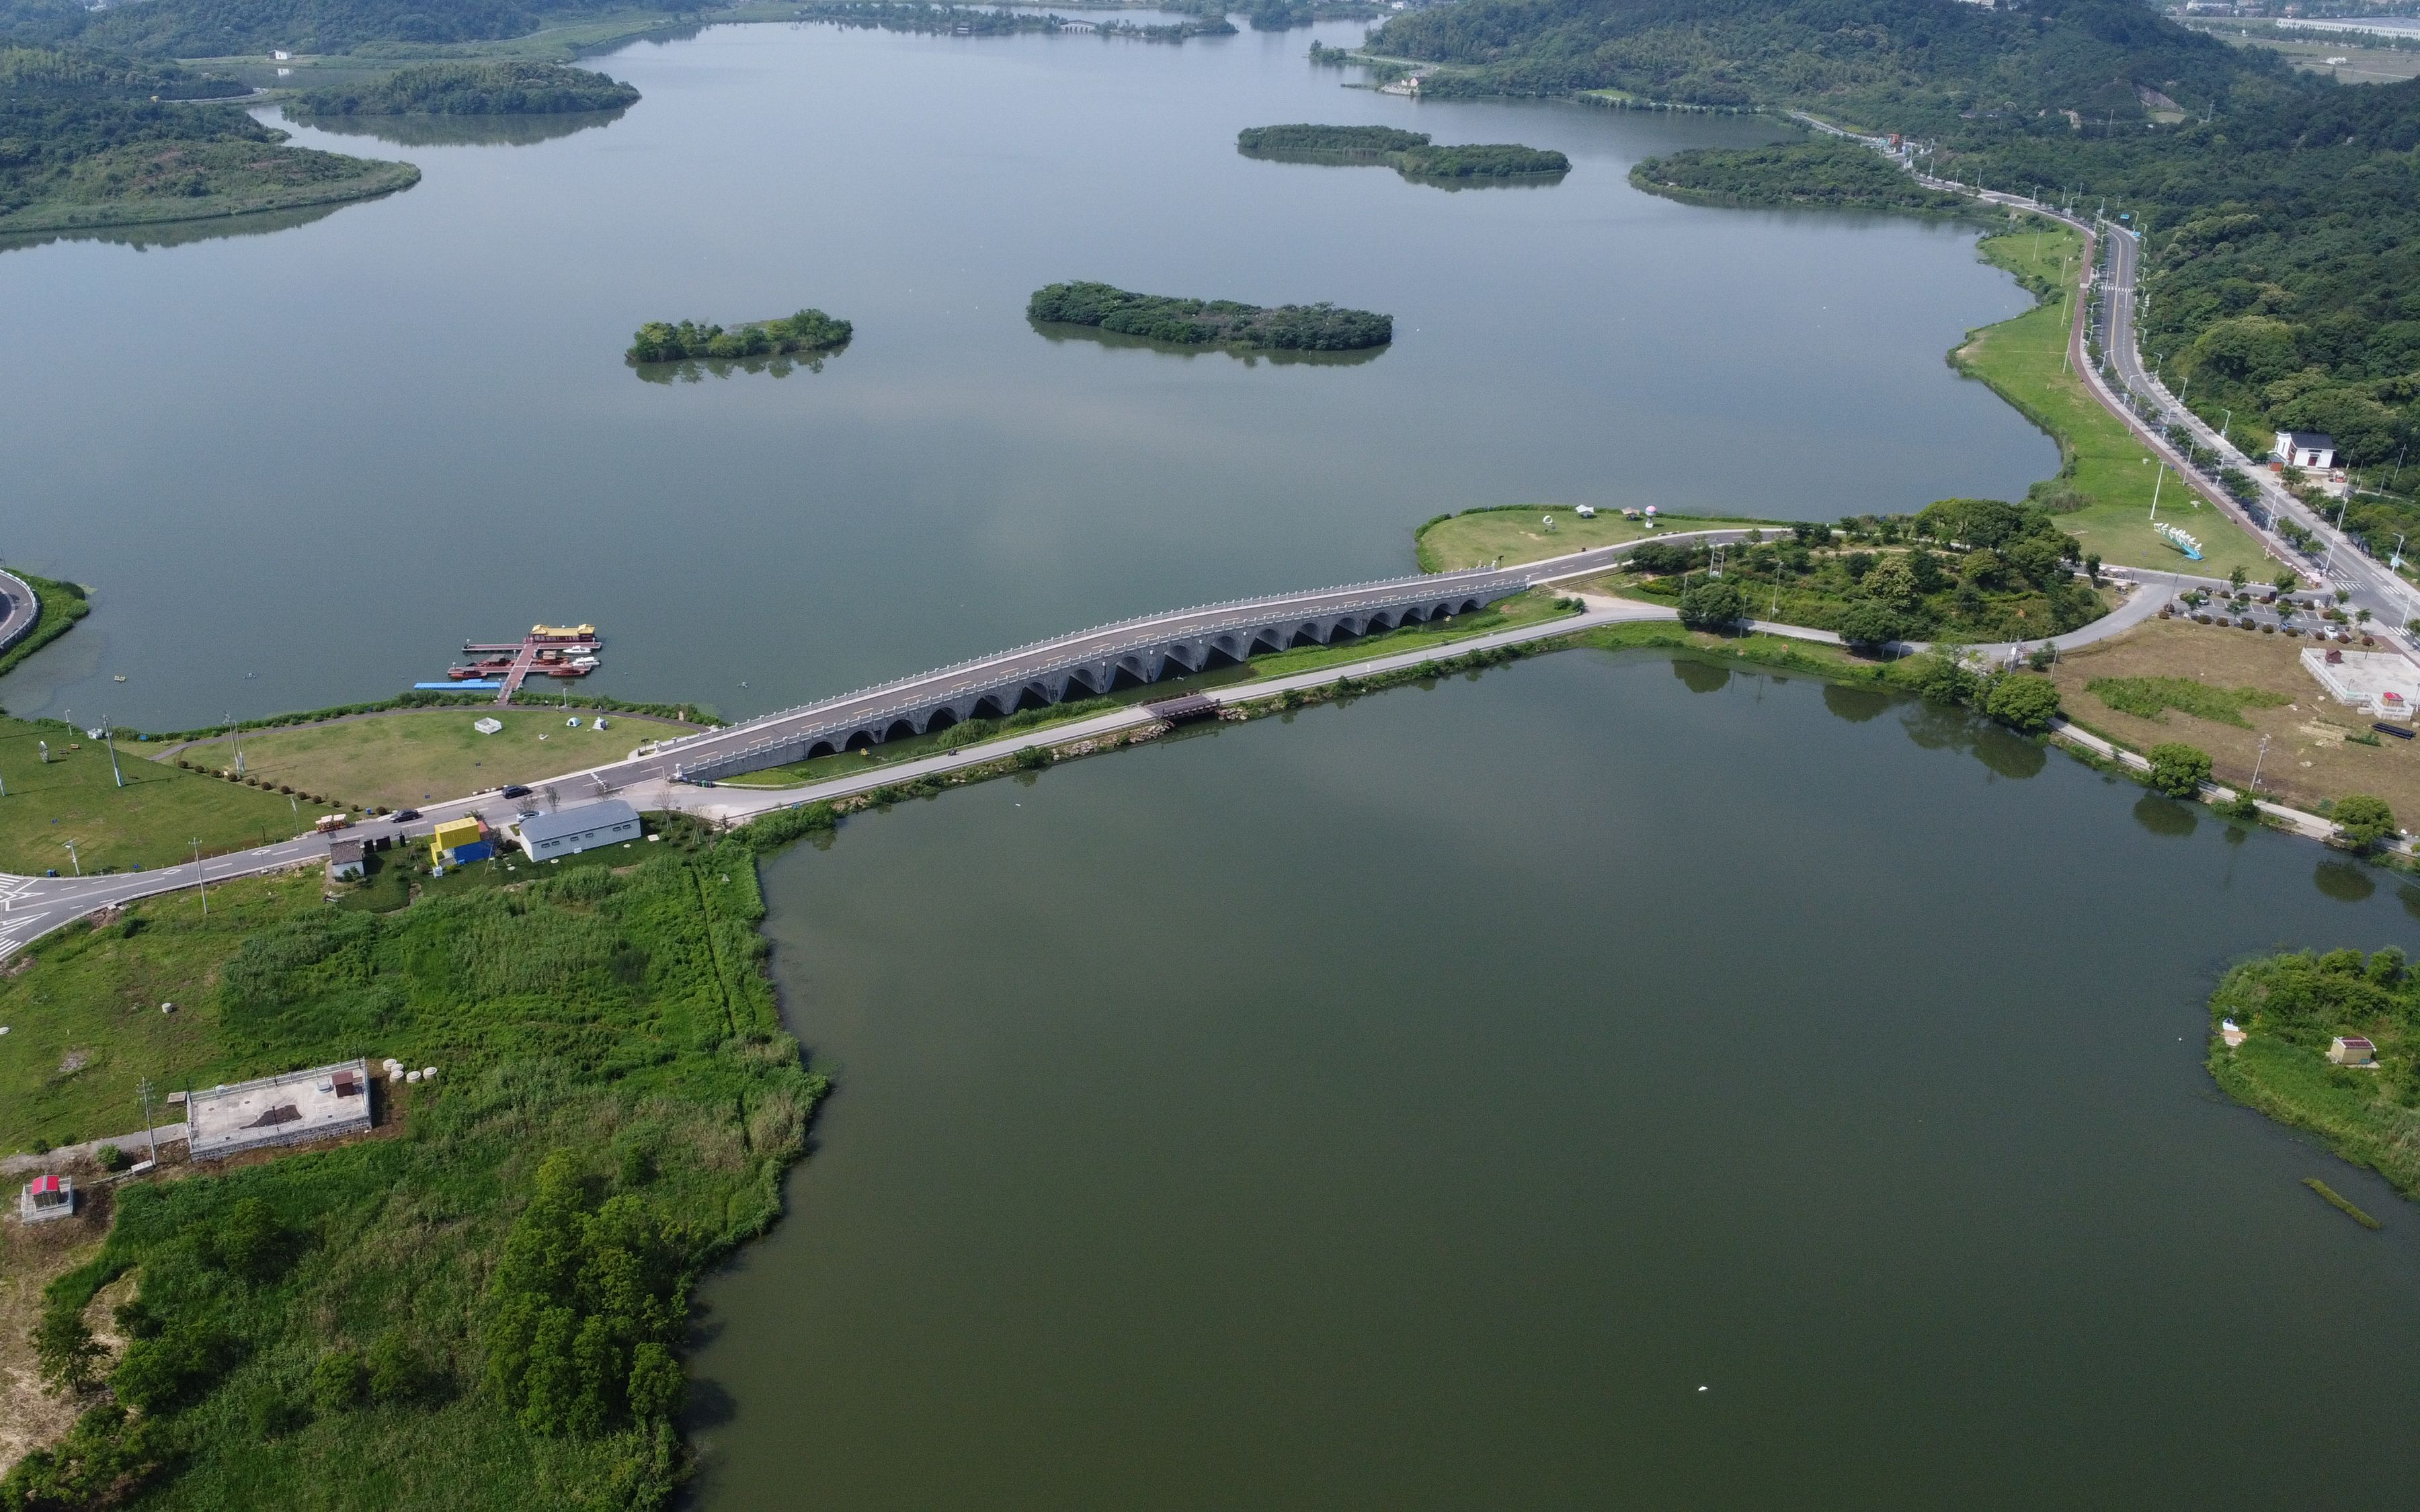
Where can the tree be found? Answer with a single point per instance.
(1712, 604)
(2177, 770)
(64, 1350)
(2022, 702)
(1942, 679)
(2363, 821)
(1869, 625)
(656, 1387)
(2285, 580)
(1891, 582)
(2235, 578)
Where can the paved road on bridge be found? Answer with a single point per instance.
(22, 608)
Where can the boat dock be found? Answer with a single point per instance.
(554, 649)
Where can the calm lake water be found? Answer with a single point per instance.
(301, 468)
(1415, 1103)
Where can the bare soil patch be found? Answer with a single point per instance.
(31, 1414)
(2309, 756)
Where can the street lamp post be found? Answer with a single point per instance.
(74, 859)
(2254, 786)
(109, 737)
(198, 886)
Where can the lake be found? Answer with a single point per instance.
(300, 467)
(1609, 1082)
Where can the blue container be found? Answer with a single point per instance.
(478, 850)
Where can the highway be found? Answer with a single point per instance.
(23, 608)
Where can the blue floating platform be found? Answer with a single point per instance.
(471, 686)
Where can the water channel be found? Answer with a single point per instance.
(1607, 1083)
(300, 467)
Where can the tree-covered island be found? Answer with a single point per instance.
(809, 331)
(974, 21)
(1410, 153)
(1212, 322)
(468, 89)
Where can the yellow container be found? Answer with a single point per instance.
(451, 833)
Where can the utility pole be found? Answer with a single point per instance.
(2157, 479)
(148, 1135)
(238, 731)
(2255, 786)
(197, 879)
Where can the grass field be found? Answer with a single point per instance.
(1517, 533)
(2025, 361)
(152, 821)
(2308, 759)
(414, 756)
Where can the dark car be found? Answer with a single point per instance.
(516, 790)
(403, 816)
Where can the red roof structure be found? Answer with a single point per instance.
(44, 1186)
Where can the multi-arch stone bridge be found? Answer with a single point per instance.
(1093, 662)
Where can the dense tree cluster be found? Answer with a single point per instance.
(808, 331)
(914, 16)
(456, 88)
(1212, 322)
(584, 1309)
(1410, 152)
(226, 28)
(1825, 171)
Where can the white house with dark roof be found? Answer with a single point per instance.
(2307, 449)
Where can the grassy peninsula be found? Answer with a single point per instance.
(809, 331)
(1212, 322)
(475, 1306)
(464, 89)
(95, 140)
(2290, 1007)
(1410, 153)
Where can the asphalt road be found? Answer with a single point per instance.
(22, 608)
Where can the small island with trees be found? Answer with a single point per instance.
(1409, 153)
(1319, 328)
(512, 87)
(809, 331)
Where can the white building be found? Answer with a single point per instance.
(279, 1110)
(2305, 449)
(46, 1197)
(570, 831)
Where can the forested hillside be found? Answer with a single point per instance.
(221, 28)
(464, 89)
(2281, 211)
(91, 138)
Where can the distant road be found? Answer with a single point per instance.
(24, 608)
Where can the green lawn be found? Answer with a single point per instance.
(2025, 361)
(152, 821)
(409, 756)
(1517, 533)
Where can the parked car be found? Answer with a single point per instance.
(516, 790)
(403, 816)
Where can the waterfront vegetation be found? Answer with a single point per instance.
(89, 139)
(226, 28)
(1410, 153)
(1963, 570)
(63, 604)
(1825, 171)
(2289, 1007)
(973, 20)
(474, 1306)
(469, 89)
(1211, 322)
(151, 821)
(809, 331)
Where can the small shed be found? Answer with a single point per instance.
(459, 841)
(346, 861)
(46, 1197)
(2351, 1050)
(2307, 449)
(570, 831)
